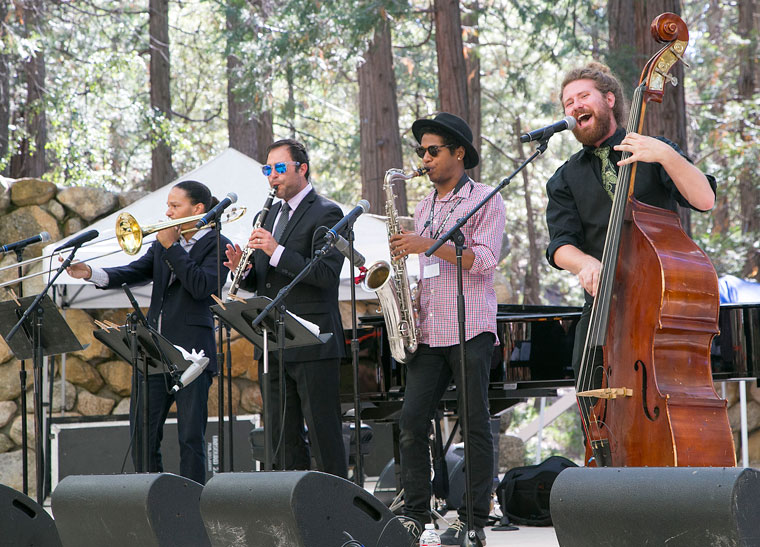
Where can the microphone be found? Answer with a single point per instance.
(568, 122)
(342, 245)
(41, 237)
(216, 211)
(348, 220)
(79, 240)
(197, 365)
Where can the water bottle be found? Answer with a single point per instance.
(430, 537)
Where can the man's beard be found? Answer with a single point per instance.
(591, 134)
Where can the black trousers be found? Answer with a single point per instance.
(312, 394)
(192, 415)
(427, 377)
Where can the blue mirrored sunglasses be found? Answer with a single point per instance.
(280, 167)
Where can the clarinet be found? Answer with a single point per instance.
(237, 277)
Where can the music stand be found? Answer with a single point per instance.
(285, 334)
(151, 348)
(52, 336)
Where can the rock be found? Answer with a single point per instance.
(10, 382)
(26, 221)
(5, 443)
(122, 408)
(118, 376)
(29, 191)
(243, 363)
(363, 307)
(213, 397)
(250, 397)
(505, 420)
(117, 316)
(69, 402)
(92, 405)
(5, 196)
(55, 209)
(511, 452)
(753, 448)
(81, 373)
(15, 430)
(83, 325)
(11, 473)
(5, 352)
(87, 202)
(732, 392)
(7, 411)
(73, 225)
(130, 196)
(753, 415)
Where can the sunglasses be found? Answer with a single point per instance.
(432, 150)
(280, 167)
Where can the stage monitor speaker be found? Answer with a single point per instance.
(24, 522)
(297, 509)
(142, 510)
(673, 506)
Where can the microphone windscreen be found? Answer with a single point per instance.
(571, 122)
(44, 237)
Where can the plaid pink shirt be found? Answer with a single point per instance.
(437, 296)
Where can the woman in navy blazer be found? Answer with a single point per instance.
(183, 269)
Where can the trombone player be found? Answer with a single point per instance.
(182, 263)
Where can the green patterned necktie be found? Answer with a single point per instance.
(609, 176)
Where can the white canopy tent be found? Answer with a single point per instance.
(230, 171)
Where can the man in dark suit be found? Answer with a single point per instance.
(183, 269)
(284, 245)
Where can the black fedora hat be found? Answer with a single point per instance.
(454, 126)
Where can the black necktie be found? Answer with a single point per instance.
(281, 222)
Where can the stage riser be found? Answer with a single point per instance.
(673, 506)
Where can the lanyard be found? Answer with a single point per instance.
(431, 216)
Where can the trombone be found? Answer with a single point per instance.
(129, 235)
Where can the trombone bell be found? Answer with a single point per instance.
(128, 233)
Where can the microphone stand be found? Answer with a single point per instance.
(37, 310)
(220, 352)
(457, 238)
(358, 464)
(22, 378)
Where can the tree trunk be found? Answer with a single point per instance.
(5, 93)
(532, 289)
(747, 86)
(162, 171)
(249, 128)
(452, 71)
(33, 155)
(378, 122)
(472, 62)
(667, 119)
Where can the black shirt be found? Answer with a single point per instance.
(579, 208)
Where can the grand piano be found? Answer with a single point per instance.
(533, 358)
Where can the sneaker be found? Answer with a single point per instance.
(412, 526)
(456, 534)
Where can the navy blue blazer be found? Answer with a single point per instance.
(184, 304)
(315, 298)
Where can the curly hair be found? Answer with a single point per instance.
(605, 82)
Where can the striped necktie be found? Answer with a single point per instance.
(281, 222)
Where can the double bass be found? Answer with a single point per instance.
(657, 405)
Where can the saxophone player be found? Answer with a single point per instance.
(446, 149)
(283, 245)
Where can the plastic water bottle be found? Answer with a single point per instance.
(430, 537)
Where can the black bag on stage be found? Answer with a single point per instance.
(523, 493)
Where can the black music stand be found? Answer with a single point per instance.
(283, 334)
(150, 348)
(52, 336)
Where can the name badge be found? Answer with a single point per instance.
(431, 270)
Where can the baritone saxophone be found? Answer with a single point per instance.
(391, 282)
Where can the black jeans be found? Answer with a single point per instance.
(192, 415)
(427, 377)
